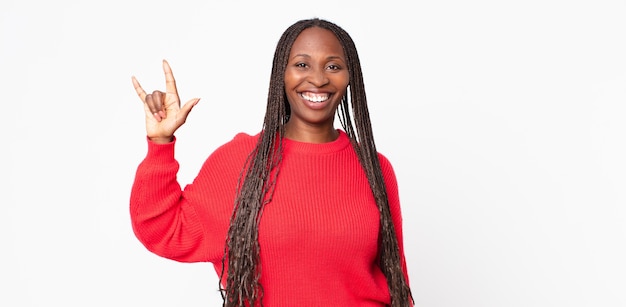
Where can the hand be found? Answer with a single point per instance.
(164, 114)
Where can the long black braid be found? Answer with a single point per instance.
(242, 250)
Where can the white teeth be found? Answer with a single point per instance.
(314, 97)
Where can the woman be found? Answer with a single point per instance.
(300, 214)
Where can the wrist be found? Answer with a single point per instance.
(161, 139)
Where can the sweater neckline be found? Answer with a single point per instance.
(318, 148)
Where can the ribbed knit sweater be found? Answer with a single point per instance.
(318, 236)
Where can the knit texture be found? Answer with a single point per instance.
(318, 236)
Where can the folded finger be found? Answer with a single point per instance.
(153, 105)
(157, 97)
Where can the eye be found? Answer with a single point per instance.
(301, 65)
(334, 67)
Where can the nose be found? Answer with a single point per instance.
(318, 77)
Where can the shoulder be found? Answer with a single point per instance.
(242, 141)
(234, 152)
(389, 174)
(391, 184)
(385, 165)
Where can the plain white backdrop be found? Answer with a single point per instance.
(505, 122)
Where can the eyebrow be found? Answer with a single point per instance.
(332, 57)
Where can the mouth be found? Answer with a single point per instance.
(315, 97)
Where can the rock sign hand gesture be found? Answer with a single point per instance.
(164, 114)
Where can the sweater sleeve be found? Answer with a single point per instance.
(162, 219)
(395, 208)
(187, 224)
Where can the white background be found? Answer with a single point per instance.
(505, 122)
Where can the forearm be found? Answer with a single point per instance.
(162, 219)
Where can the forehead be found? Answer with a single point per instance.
(317, 40)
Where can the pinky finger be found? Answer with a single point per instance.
(140, 92)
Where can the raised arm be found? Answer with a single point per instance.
(162, 217)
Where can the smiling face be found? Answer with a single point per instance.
(316, 78)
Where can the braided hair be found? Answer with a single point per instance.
(256, 184)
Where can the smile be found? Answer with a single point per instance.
(313, 97)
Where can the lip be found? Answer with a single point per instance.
(316, 105)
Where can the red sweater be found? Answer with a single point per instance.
(318, 236)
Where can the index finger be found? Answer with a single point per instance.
(170, 83)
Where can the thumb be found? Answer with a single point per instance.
(186, 108)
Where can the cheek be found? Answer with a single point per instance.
(287, 81)
(342, 82)
(343, 79)
(291, 79)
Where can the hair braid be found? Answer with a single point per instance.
(364, 145)
(257, 181)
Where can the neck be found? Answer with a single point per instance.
(311, 134)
